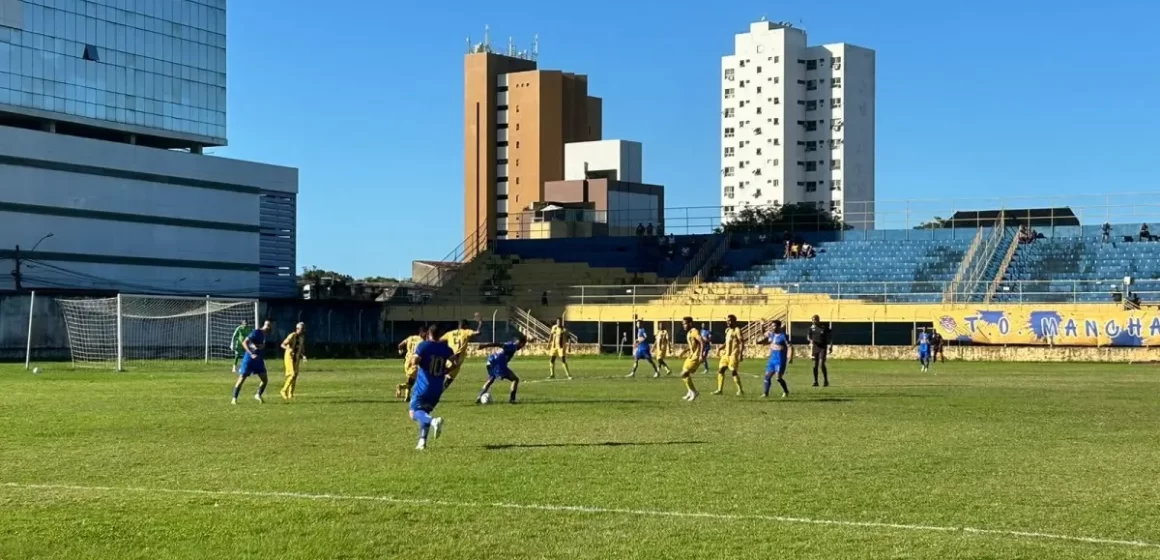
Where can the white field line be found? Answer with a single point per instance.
(587, 510)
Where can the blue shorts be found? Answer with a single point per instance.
(643, 354)
(924, 354)
(496, 371)
(775, 365)
(425, 401)
(251, 366)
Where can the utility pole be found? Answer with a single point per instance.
(16, 277)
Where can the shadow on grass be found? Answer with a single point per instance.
(504, 446)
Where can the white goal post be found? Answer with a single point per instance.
(110, 332)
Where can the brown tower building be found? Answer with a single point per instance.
(516, 122)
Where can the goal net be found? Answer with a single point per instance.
(110, 332)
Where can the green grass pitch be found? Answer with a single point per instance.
(1055, 461)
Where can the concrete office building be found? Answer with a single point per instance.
(518, 119)
(797, 124)
(105, 109)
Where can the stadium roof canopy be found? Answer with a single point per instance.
(1033, 217)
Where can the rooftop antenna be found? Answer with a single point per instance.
(536, 46)
(469, 44)
(762, 18)
(511, 46)
(487, 37)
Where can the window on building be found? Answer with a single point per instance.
(757, 131)
(776, 183)
(728, 172)
(836, 103)
(758, 69)
(729, 113)
(777, 141)
(729, 93)
(836, 83)
(741, 165)
(91, 53)
(811, 105)
(759, 151)
(777, 79)
(811, 146)
(742, 64)
(836, 164)
(729, 132)
(836, 185)
(837, 125)
(811, 85)
(833, 205)
(811, 126)
(777, 101)
(836, 63)
(811, 65)
(757, 171)
(728, 192)
(777, 59)
(758, 89)
(811, 186)
(811, 166)
(729, 74)
(759, 110)
(517, 144)
(775, 162)
(729, 151)
(760, 48)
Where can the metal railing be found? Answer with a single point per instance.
(443, 270)
(1008, 255)
(964, 266)
(1023, 291)
(978, 266)
(695, 264)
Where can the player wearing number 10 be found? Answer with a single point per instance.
(252, 363)
(431, 359)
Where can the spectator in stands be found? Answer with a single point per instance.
(1117, 295)
(1107, 231)
(808, 251)
(795, 250)
(685, 251)
(1025, 235)
(788, 249)
(649, 230)
(640, 230)
(672, 239)
(1146, 235)
(544, 298)
(1133, 302)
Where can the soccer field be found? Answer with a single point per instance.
(972, 461)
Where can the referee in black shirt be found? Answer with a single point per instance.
(820, 346)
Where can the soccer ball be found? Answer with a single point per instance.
(35, 370)
(485, 398)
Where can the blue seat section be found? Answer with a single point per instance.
(634, 254)
(911, 270)
(1081, 268)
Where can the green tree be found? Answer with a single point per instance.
(314, 275)
(936, 223)
(381, 280)
(801, 217)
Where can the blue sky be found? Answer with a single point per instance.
(978, 99)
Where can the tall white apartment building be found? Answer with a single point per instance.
(797, 124)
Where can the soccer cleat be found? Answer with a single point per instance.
(234, 369)
(569, 377)
(258, 398)
(815, 383)
(436, 427)
(552, 376)
(717, 392)
(633, 374)
(422, 445)
(693, 396)
(740, 393)
(826, 384)
(233, 401)
(765, 395)
(784, 395)
(656, 374)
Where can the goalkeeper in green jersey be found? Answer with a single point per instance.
(238, 342)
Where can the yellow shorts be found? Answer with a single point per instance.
(691, 365)
(662, 353)
(558, 353)
(291, 365)
(730, 362)
(411, 371)
(454, 364)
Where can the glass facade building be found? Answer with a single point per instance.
(151, 67)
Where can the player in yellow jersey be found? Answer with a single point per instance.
(664, 347)
(731, 356)
(410, 367)
(295, 348)
(558, 348)
(694, 354)
(459, 339)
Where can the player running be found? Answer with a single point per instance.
(499, 366)
(431, 358)
(664, 347)
(642, 351)
(695, 354)
(459, 339)
(731, 356)
(558, 348)
(237, 342)
(410, 370)
(707, 337)
(924, 349)
(780, 355)
(252, 362)
(295, 348)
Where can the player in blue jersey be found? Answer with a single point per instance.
(707, 336)
(252, 362)
(499, 366)
(780, 355)
(924, 349)
(430, 358)
(642, 350)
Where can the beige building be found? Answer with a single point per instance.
(517, 120)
